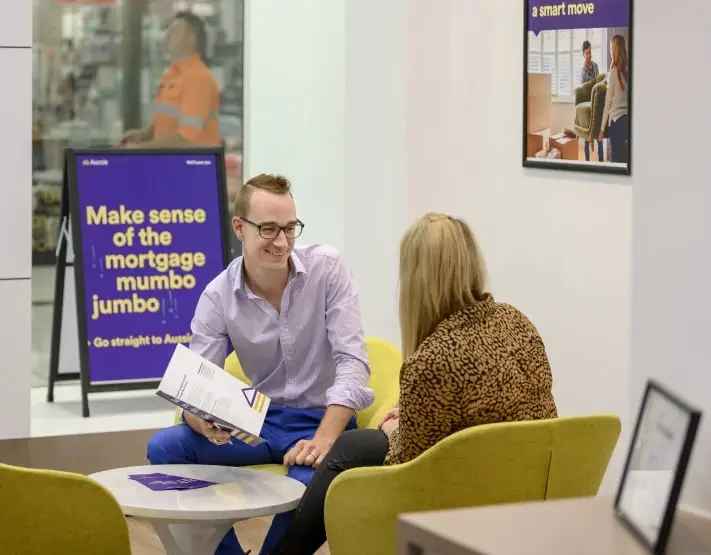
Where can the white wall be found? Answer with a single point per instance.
(557, 244)
(324, 92)
(376, 182)
(671, 309)
(294, 106)
(15, 258)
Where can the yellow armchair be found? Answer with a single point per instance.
(47, 511)
(385, 361)
(493, 463)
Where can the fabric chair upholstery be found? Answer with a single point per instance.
(47, 511)
(385, 361)
(492, 463)
(589, 106)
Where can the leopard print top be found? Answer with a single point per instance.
(485, 363)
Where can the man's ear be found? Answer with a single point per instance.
(238, 227)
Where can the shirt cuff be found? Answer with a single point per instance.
(350, 390)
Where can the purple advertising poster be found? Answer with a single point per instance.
(577, 85)
(151, 237)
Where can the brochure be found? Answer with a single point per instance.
(206, 390)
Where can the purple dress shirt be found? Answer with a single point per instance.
(311, 353)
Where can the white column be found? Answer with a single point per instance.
(15, 218)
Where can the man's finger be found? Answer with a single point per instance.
(290, 457)
(307, 455)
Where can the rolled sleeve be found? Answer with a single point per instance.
(209, 333)
(345, 334)
(350, 388)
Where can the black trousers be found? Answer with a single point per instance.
(353, 449)
(619, 134)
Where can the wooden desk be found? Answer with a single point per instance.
(585, 526)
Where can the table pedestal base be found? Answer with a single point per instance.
(191, 538)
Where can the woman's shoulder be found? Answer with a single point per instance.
(476, 323)
(480, 313)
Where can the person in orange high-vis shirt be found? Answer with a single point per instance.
(186, 107)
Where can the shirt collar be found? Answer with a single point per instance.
(240, 283)
(186, 61)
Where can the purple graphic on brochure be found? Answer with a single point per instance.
(162, 482)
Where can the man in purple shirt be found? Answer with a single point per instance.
(292, 315)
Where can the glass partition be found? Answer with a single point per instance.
(104, 67)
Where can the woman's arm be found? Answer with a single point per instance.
(611, 92)
(428, 408)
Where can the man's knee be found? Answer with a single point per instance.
(301, 473)
(168, 446)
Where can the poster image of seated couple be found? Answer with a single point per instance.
(577, 85)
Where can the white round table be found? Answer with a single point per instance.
(195, 521)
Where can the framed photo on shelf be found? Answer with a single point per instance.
(577, 85)
(656, 464)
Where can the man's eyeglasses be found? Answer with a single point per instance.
(270, 230)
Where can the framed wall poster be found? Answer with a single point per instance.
(577, 83)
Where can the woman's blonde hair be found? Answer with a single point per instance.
(441, 271)
(619, 60)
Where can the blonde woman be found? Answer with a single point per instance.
(615, 115)
(468, 361)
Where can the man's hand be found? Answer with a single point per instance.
(392, 413)
(389, 426)
(309, 452)
(207, 429)
(135, 136)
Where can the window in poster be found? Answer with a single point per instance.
(577, 85)
(656, 465)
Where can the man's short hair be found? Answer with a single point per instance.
(197, 26)
(276, 184)
(586, 45)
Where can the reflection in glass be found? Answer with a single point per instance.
(97, 67)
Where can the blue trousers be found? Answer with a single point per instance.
(283, 427)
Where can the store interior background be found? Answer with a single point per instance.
(379, 112)
(96, 67)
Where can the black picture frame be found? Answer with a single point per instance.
(558, 164)
(658, 546)
(70, 205)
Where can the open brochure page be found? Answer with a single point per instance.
(206, 390)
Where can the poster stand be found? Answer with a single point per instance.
(68, 203)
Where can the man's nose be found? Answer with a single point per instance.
(280, 240)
